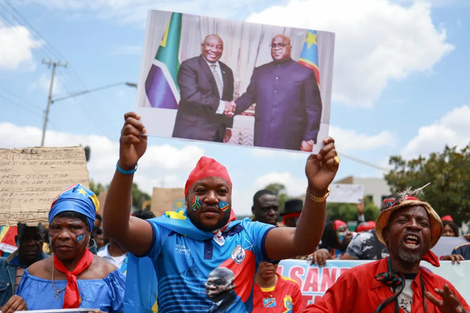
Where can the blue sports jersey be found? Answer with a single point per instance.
(183, 260)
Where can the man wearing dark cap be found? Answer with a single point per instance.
(292, 210)
(185, 246)
(409, 228)
(265, 207)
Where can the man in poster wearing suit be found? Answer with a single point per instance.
(288, 103)
(206, 87)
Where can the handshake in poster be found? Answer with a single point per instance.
(230, 107)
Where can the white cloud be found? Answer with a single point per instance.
(376, 41)
(44, 83)
(348, 140)
(271, 153)
(294, 185)
(453, 129)
(16, 48)
(162, 164)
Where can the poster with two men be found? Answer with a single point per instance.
(235, 82)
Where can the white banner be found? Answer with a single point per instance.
(314, 280)
(346, 193)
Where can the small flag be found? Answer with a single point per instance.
(7, 238)
(160, 86)
(269, 302)
(309, 54)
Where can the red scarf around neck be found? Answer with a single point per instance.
(72, 297)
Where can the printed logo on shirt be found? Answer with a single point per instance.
(181, 249)
(238, 254)
(269, 302)
(288, 304)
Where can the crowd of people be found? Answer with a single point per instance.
(202, 259)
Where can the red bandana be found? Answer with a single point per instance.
(72, 297)
(206, 167)
(338, 223)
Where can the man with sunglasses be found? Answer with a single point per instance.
(288, 103)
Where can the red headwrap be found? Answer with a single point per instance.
(337, 224)
(447, 218)
(365, 226)
(206, 167)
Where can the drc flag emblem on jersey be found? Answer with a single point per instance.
(269, 302)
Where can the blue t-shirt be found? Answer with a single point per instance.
(105, 294)
(183, 265)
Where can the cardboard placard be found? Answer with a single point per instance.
(30, 179)
(167, 199)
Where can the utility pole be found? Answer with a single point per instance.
(49, 98)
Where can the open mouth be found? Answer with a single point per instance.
(411, 241)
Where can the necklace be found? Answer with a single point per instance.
(57, 291)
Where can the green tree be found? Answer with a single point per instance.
(348, 211)
(281, 193)
(138, 196)
(449, 175)
(97, 188)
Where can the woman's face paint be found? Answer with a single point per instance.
(50, 241)
(196, 205)
(80, 239)
(223, 205)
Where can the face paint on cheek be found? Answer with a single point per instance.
(341, 237)
(81, 238)
(196, 205)
(50, 241)
(223, 205)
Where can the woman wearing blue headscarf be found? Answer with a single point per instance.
(73, 277)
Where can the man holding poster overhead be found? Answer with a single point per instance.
(206, 86)
(288, 103)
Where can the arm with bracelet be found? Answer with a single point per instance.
(288, 242)
(132, 233)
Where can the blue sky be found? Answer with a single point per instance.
(400, 83)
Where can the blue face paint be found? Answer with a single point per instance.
(223, 205)
(81, 238)
(50, 241)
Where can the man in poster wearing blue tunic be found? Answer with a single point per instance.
(288, 103)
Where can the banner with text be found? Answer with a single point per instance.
(314, 280)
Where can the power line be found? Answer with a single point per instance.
(48, 51)
(23, 21)
(19, 104)
(384, 169)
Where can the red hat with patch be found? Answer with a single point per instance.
(206, 167)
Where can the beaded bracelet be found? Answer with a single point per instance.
(130, 172)
(318, 199)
